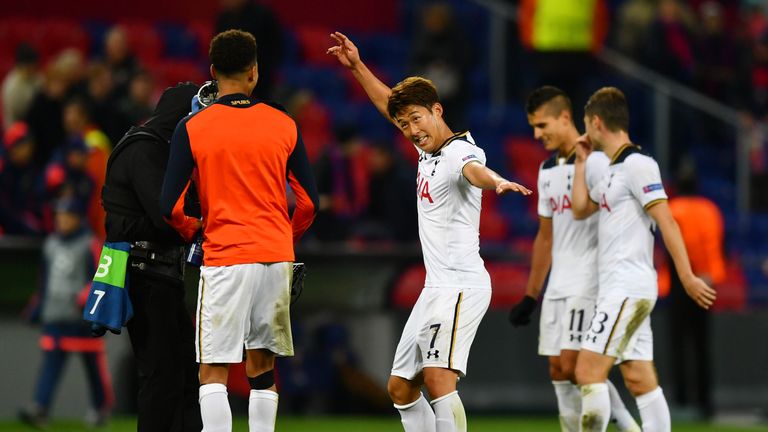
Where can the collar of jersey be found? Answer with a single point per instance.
(622, 149)
(570, 157)
(449, 140)
(229, 100)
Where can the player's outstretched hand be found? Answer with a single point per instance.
(700, 292)
(345, 51)
(509, 186)
(520, 314)
(583, 148)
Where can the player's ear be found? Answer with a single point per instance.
(213, 72)
(437, 109)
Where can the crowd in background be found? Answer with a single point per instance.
(62, 116)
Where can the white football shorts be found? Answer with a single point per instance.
(621, 328)
(440, 330)
(243, 306)
(563, 322)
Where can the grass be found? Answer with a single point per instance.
(373, 424)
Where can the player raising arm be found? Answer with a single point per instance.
(632, 203)
(434, 347)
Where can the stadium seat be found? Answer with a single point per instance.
(408, 287)
(170, 72)
(203, 33)
(180, 41)
(57, 35)
(313, 43)
(144, 40)
(508, 281)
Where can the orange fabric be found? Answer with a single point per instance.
(701, 225)
(186, 226)
(96, 167)
(71, 343)
(241, 156)
(526, 12)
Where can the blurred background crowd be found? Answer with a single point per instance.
(74, 79)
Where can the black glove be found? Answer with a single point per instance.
(297, 282)
(520, 314)
(98, 330)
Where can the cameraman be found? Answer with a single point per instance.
(161, 331)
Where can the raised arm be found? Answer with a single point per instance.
(582, 206)
(483, 177)
(347, 54)
(696, 288)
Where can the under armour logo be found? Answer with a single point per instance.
(593, 338)
(575, 337)
(433, 353)
(610, 179)
(546, 184)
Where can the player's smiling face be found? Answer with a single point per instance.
(420, 126)
(551, 130)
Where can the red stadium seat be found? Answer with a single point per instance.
(57, 35)
(408, 286)
(144, 40)
(313, 43)
(203, 31)
(169, 72)
(508, 281)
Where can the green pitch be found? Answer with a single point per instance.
(390, 424)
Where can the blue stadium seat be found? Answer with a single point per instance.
(180, 42)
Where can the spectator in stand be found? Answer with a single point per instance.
(120, 61)
(342, 185)
(78, 123)
(66, 176)
(20, 85)
(138, 106)
(562, 37)
(391, 214)
(669, 44)
(45, 119)
(442, 54)
(633, 18)
(260, 21)
(717, 54)
(21, 193)
(701, 225)
(106, 114)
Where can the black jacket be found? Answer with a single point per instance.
(135, 173)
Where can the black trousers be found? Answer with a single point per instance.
(163, 340)
(690, 349)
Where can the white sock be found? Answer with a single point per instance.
(568, 404)
(214, 408)
(654, 411)
(619, 413)
(417, 416)
(595, 407)
(262, 411)
(449, 413)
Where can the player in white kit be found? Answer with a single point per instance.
(632, 203)
(435, 343)
(569, 247)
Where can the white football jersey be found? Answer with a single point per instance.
(630, 185)
(574, 242)
(449, 216)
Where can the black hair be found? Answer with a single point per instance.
(232, 52)
(548, 95)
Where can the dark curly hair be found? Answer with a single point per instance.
(232, 52)
(412, 91)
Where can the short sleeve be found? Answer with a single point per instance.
(644, 180)
(461, 153)
(544, 208)
(596, 168)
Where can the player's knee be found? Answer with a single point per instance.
(583, 373)
(638, 381)
(400, 391)
(568, 371)
(555, 370)
(263, 381)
